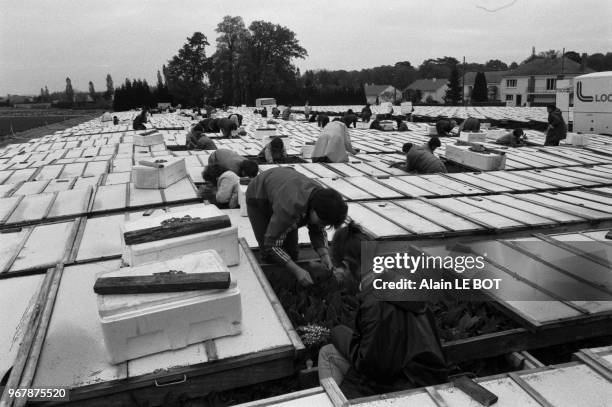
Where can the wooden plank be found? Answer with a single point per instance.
(442, 217)
(11, 242)
(321, 170)
(517, 177)
(74, 353)
(162, 283)
(562, 196)
(110, 197)
(374, 224)
(315, 396)
(368, 169)
(570, 172)
(73, 202)
(514, 186)
(480, 181)
(101, 238)
(546, 178)
(32, 208)
(404, 218)
(472, 212)
(174, 229)
(345, 169)
(37, 253)
(348, 190)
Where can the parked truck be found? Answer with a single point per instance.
(593, 103)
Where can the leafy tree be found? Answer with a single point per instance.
(479, 93)
(110, 89)
(46, 93)
(600, 62)
(551, 54)
(574, 56)
(495, 65)
(69, 92)
(437, 68)
(453, 93)
(92, 91)
(188, 70)
(513, 65)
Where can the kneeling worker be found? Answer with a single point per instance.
(197, 140)
(274, 152)
(227, 184)
(422, 159)
(230, 160)
(514, 139)
(281, 200)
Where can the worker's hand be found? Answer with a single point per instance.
(326, 262)
(303, 277)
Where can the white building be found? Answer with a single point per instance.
(431, 89)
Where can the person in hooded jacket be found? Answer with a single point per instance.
(394, 345)
(366, 113)
(557, 129)
(334, 144)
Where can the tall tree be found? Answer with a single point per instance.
(574, 56)
(227, 59)
(92, 91)
(188, 70)
(110, 89)
(269, 52)
(479, 93)
(46, 93)
(69, 92)
(453, 93)
(513, 65)
(496, 65)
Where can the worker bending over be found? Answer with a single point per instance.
(350, 118)
(197, 140)
(471, 124)
(281, 200)
(394, 344)
(514, 139)
(274, 152)
(444, 127)
(140, 120)
(226, 185)
(333, 145)
(230, 160)
(422, 159)
(557, 129)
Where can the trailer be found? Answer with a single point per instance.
(593, 103)
(268, 102)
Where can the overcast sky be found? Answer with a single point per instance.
(44, 41)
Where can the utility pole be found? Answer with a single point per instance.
(562, 61)
(463, 82)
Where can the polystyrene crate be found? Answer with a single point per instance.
(148, 177)
(483, 161)
(148, 139)
(473, 137)
(136, 325)
(578, 139)
(224, 241)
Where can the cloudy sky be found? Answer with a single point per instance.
(44, 41)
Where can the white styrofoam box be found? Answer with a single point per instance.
(431, 130)
(495, 134)
(242, 200)
(135, 325)
(482, 161)
(148, 140)
(578, 139)
(224, 241)
(406, 107)
(173, 170)
(307, 151)
(264, 132)
(479, 137)
(387, 125)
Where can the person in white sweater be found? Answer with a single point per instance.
(227, 185)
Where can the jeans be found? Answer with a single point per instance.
(332, 364)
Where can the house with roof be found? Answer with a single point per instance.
(494, 80)
(431, 89)
(376, 94)
(535, 82)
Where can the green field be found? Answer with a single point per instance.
(23, 123)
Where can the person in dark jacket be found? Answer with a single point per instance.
(394, 344)
(140, 120)
(401, 125)
(421, 159)
(313, 117)
(197, 140)
(210, 125)
(115, 120)
(230, 160)
(264, 112)
(471, 124)
(322, 120)
(274, 152)
(281, 200)
(366, 113)
(350, 118)
(514, 139)
(286, 113)
(375, 125)
(226, 126)
(557, 129)
(444, 127)
(275, 112)
(236, 118)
